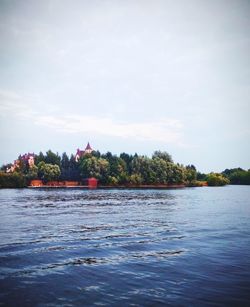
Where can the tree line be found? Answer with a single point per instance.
(110, 169)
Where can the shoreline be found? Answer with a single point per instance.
(118, 187)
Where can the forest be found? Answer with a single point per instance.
(114, 170)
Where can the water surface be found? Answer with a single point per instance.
(125, 247)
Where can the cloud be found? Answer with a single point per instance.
(165, 130)
(12, 103)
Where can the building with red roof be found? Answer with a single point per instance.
(80, 153)
(29, 158)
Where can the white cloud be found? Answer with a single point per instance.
(12, 104)
(164, 130)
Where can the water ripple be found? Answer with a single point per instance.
(74, 248)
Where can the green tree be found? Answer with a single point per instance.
(228, 172)
(240, 177)
(178, 174)
(32, 173)
(96, 153)
(65, 161)
(48, 172)
(162, 155)
(127, 159)
(89, 167)
(12, 180)
(118, 169)
(190, 174)
(74, 170)
(39, 158)
(52, 158)
(144, 167)
(94, 167)
(201, 176)
(163, 171)
(65, 167)
(112, 181)
(104, 170)
(157, 170)
(215, 179)
(135, 179)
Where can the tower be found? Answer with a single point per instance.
(88, 149)
(81, 153)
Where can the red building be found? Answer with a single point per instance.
(80, 153)
(92, 183)
(30, 158)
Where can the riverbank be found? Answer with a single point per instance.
(120, 187)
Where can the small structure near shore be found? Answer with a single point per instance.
(36, 183)
(90, 183)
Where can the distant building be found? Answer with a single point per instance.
(91, 183)
(13, 167)
(28, 158)
(80, 153)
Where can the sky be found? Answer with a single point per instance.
(127, 76)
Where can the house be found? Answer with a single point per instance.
(28, 159)
(80, 153)
(13, 167)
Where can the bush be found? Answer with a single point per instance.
(135, 179)
(240, 177)
(48, 172)
(112, 180)
(214, 179)
(12, 180)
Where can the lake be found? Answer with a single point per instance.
(69, 247)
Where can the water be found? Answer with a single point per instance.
(125, 247)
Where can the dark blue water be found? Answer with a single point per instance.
(125, 247)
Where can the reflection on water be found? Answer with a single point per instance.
(146, 248)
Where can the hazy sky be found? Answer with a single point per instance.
(133, 76)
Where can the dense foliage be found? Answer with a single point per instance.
(48, 172)
(215, 179)
(13, 180)
(109, 169)
(237, 175)
(115, 170)
(126, 169)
